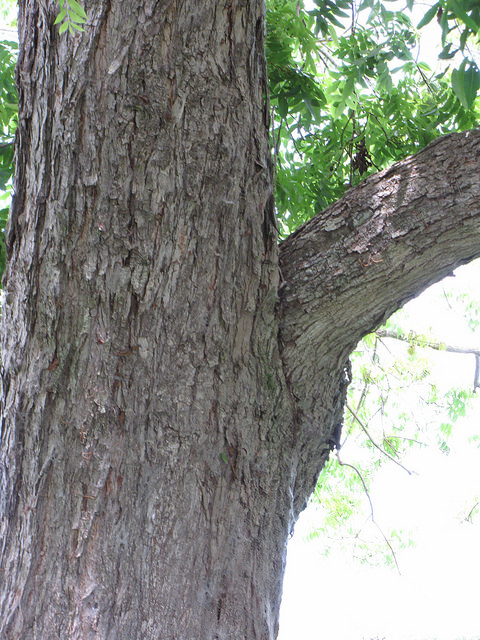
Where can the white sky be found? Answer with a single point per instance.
(437, 597)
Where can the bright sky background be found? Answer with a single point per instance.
(437, 595)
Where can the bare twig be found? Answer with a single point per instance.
(387, 541)
(412, 338)
(363, 393)
(469, 517)
(382, 451)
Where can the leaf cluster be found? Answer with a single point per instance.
(348, 98)
(8, 110)
(459, 21)
(71, 17)
(398, 401)
(8, 125)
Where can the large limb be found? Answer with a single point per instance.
(353, 265)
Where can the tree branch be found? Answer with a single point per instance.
(372, 517)
(377, 446)
(349, 268)
(418, 341)
(353, 265)
(412, 338)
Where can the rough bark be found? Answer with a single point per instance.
(351, 267)
(164, 413)
(143, 407)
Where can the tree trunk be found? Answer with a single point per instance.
(165, 413)
(144, 410)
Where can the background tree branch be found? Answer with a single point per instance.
(420, 341)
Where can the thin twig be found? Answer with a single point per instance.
(422, 444)
(412, 338)
(387, 542)
(364, 428)
(363, 393)
(468, 518)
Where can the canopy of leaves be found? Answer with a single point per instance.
(408, 391)
(349, 96)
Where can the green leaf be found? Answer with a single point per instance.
(282, 106)
(61, 16)
(465, 84)
(460, 12)
(76, 22)
(333, 34)
(463, 39)
(366, 4)
(77, 8)
(63, 28)
(428, 17)
(336, 22)
(446, 54)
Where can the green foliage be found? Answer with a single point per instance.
(8, 124)
(8, 110)
(459, 21)
(466, 82)
(457, 400)
(71, 17)
(349, 97)
(399, 401)
(468, 307)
